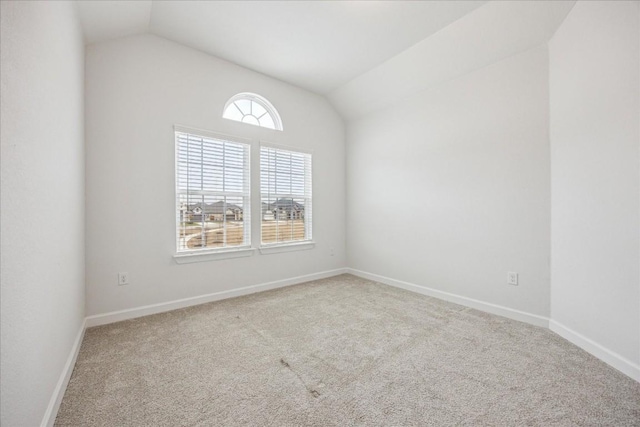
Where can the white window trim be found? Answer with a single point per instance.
(264, 102)
(212, 134)
(213, 255)
(265, 143)
(277, 248)
(199, 255)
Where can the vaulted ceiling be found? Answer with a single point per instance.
(361, 54)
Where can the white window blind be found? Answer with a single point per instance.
(213, 209)
(285, 187)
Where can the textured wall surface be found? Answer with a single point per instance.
(450, 188)
(42, 225)
(595, 169)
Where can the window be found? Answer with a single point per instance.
(253, 109)
(285, 187)
(213, 209)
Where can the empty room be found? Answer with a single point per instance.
(320, 213)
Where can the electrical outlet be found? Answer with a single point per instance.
(123, 279)
(512, 278)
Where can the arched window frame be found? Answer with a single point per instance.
(263, 102)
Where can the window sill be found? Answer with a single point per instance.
(190, 257)
(288, 247)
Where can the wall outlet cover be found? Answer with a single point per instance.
(123, 279)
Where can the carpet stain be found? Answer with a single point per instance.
(313, 392)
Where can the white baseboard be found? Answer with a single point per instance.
(117, 316)
(500, 310)
(58, 393)
(615, 360)
(102, 319)
(611, 358)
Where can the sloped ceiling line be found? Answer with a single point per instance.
(362, 55)
(487, 35)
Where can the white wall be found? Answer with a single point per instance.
(595, 120)
(450, 189)
(137, 88)
(42, 225)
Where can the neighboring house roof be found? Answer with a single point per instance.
(286, 204)
(214, 208)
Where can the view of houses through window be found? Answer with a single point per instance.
(283, 220)
(211, 222)
(213, 194)
(285, 187)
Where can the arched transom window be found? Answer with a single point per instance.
(253, 109)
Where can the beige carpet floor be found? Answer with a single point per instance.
(339, 352)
